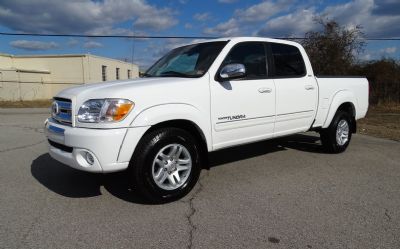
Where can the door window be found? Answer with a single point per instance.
(252, 56)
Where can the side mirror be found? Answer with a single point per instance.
(232, 71)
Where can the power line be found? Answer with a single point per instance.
(165, 37)
(367, 39)
(108, 36)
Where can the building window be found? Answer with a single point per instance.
(129, 74)
(117, 73)
(104, 73)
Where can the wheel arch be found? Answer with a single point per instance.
(343, 101)
(183, 124)
(176, 115)
(188, 126)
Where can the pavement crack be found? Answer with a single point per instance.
(387, 215)
(35, 129)
(35, 221)
(21, 147)
(30, 229)
(192, 212)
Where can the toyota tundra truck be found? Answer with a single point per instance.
(199, 98)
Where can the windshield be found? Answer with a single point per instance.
(191, 61)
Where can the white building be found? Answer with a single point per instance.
(42, 76)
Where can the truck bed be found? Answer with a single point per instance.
(333, 88)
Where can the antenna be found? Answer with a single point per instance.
(133, 48)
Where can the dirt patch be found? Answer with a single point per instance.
(26, 104)
(381, 122)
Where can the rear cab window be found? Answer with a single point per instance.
(287, 61)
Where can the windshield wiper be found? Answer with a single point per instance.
(147, 75)
(176, 74)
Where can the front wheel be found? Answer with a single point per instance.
(337, 136)
(166, 165)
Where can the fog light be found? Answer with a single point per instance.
(89, 158)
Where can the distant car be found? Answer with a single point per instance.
(200, 98)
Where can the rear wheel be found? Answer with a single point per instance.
(166, 165)
(337, 136)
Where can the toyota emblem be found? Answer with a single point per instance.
(55, 109)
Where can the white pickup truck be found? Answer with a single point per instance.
(196, 99)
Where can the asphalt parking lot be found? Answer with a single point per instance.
(284, 193)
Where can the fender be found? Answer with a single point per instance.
(339, 98)
(175, 111)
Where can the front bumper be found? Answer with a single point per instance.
(111, 149)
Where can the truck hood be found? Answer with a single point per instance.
(117, 89)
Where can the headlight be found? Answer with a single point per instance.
(104, 110)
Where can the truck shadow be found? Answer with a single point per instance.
(304, 142)
(72, 183)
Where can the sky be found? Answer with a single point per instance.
(210, 18)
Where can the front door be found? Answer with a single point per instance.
(243, 110)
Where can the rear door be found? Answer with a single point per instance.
(296, 92)
(243, 110)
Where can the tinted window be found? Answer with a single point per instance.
(252, 56)
(288, 60)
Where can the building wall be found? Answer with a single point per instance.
(5, 59)
(42, 77)
(63, 70)
(17, 85)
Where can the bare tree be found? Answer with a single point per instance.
(334, 49)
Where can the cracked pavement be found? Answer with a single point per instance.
(282, 193)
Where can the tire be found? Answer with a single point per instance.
(330, 141)
(153, 161)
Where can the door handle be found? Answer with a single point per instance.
(264, 90)
(309, 87)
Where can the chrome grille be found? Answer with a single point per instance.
(61, 110)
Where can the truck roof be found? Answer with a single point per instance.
(247, 38)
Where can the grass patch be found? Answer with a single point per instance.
(45, 103)
(381, 121)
